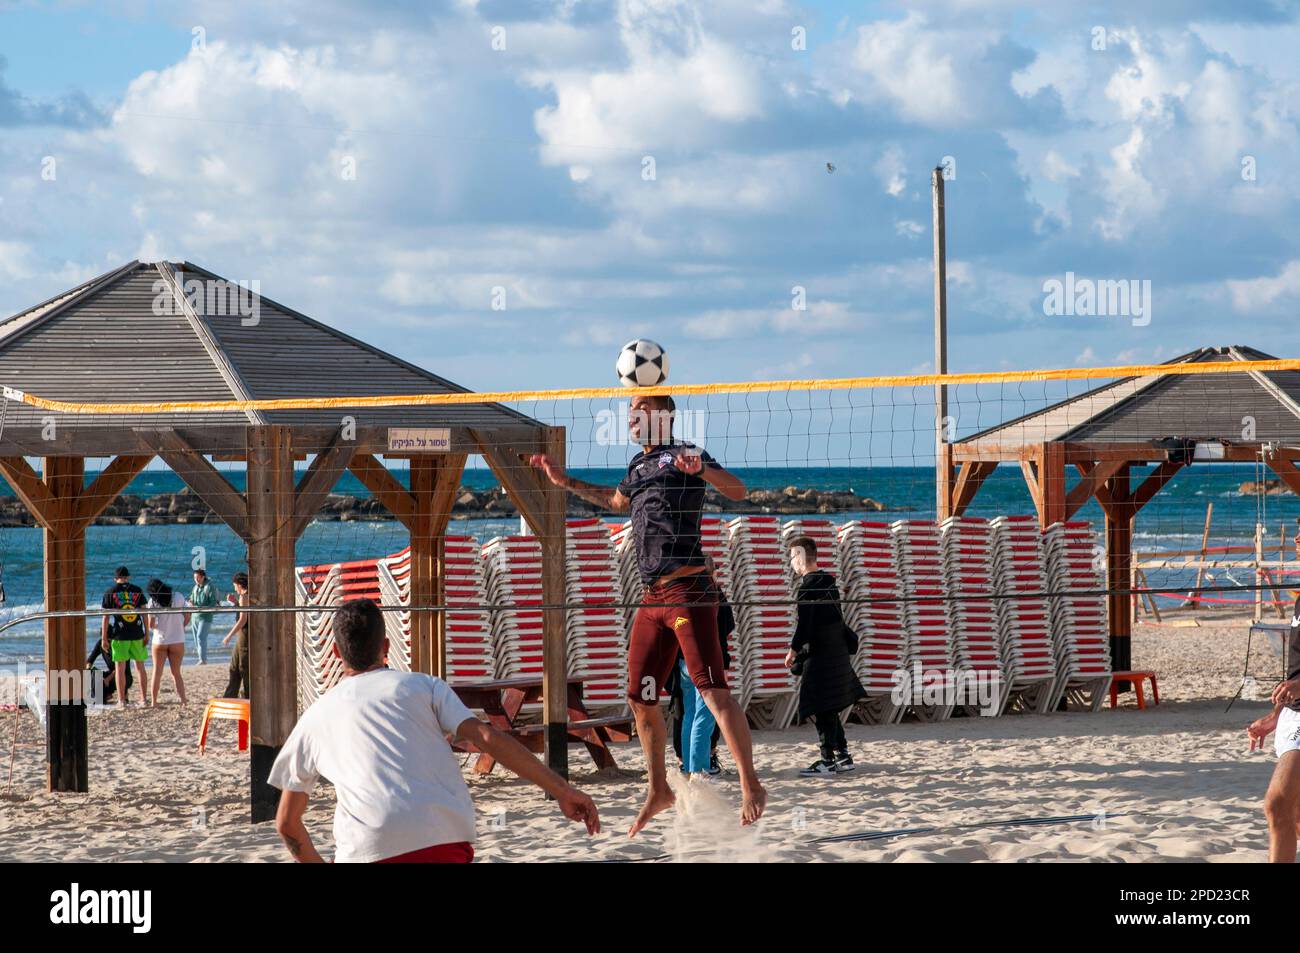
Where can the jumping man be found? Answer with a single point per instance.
(664, 489)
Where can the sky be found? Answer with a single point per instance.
(612, 169)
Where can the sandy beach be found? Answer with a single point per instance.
(1172, 783)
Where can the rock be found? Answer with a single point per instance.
(1263, 488)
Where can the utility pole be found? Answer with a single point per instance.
(942, 451)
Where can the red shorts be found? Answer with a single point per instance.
(658, 632)
(460, 852)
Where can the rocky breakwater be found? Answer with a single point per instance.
(185, 507)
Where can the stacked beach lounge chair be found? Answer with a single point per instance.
(468, 634)
(715, 540)
(1080, 625)
(870, 580)
(318, 667)
(930, 653)
(969, 574)
(1024, 616)
(394, 576)
(595, 635)
(513, 572)
(760, 572)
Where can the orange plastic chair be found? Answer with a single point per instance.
(230, 709)
(1137, 678)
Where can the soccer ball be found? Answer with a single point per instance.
(642, 363)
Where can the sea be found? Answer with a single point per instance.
(1174, 520)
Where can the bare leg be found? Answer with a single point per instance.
(174, 655)
(735, 729)
(1281, 807)
(652, 731)
(144, 681)
(159, 659)
(119, 682)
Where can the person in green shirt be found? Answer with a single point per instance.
(203, 594)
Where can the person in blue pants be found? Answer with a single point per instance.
(202, 595)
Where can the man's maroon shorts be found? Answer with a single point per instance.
(689, 622)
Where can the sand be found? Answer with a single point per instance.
(1172, 783)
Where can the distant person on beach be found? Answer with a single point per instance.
(663, 491)
(122, 634)
(167, 633)
(98, 652)
(692, 722)
(1282, 800)
(237, 686)
(380, 736)
(202, 594)
(821, 651)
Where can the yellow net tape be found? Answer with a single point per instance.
(676, 390)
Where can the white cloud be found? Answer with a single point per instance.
(1254, 293)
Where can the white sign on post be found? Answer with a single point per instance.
(419, 440)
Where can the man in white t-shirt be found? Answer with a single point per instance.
(381, 737)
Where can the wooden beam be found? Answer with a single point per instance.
(424, 566)
(450, 471)
(1093, 476)
(1119, 568)
(551, 532)
(272, 646)
(970, 478)
(67, 750)
(27, 486)
(112, 480)
(1286, 471)
(1035, 491)
(526, 488)
(317, 483)
(385, 487)
(204, 479)
(1154, 483)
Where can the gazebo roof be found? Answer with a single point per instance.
(1204, 407)
(134, 334)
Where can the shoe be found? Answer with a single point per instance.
(843, 761)
(715, 769)
(819, 766)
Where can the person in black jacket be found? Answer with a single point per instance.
(822, 651)
(110, 676)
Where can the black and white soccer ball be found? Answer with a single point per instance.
(642, 363)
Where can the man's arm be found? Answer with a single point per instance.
(728, 484)
(606, 497)
(575, 805)
(289, 825)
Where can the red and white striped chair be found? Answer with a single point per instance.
(870, 572)
(1024, 616)
(1080, 623)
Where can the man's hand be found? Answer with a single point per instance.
(1259, 730)
(690, 462)
(553, 472)
(1286, 692)
(789, 659)
(576, 806)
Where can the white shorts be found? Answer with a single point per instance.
(1288, 732)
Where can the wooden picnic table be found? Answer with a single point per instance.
(502, 700)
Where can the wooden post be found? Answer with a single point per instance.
(1051, 484)
(1194, 597)
(1119, 568)
(1259, 571)
(65, 639)
(273, 693)
(424, 568)
(552, 534)
(942, 448)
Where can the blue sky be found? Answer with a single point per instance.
(219, 132)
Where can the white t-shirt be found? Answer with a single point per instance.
(379, 737)
(169, 629)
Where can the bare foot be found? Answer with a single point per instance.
(654, 803)
(752, 804)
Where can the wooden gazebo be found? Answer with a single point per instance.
(173, 332)
(1165, 421)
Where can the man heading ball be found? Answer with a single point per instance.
(664, 490)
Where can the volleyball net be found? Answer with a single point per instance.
(985, 494)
